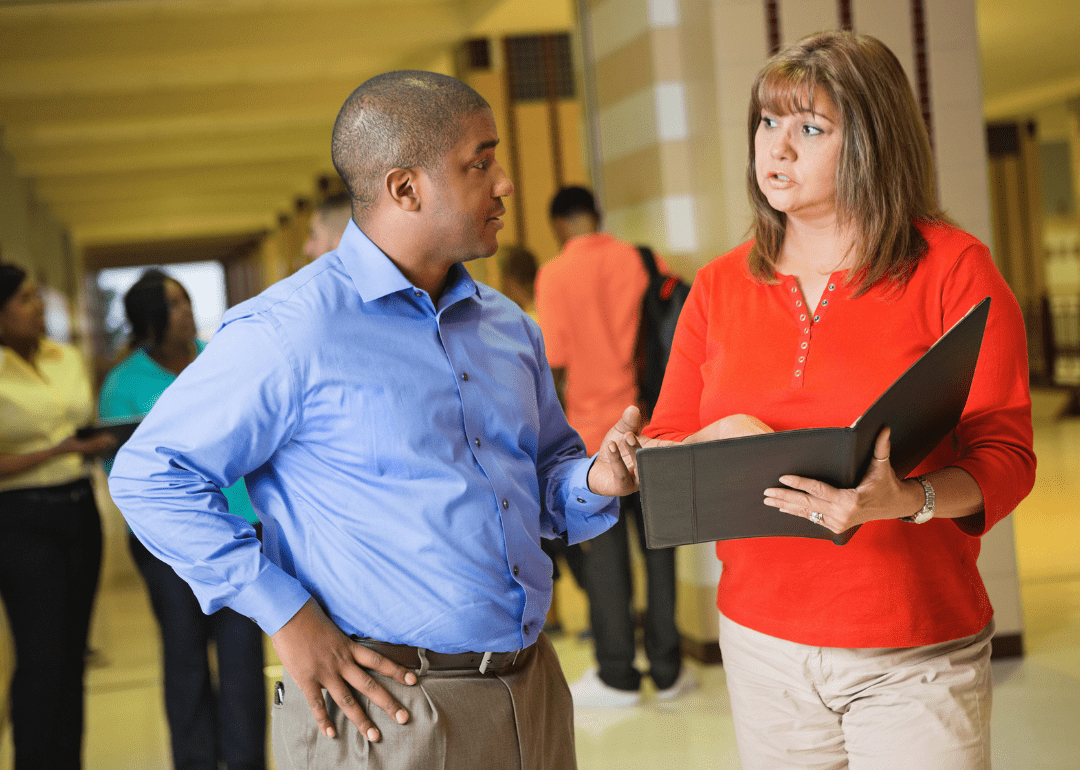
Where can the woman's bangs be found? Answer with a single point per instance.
(786, 90)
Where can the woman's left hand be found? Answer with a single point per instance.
(880, 495)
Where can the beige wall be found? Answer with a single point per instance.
(671, 83)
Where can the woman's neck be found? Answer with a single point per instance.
(24, 349)
(173, 355)
(812, 248)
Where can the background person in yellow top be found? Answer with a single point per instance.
(328, 224)
(50, 532)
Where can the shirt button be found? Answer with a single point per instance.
(478, 442)
(554, 530)
(526, 629)
(832, 286)
(801, 359)
(817, 318)
(798, 372)
(418, 293)
(515, 570)
(802, 318)
(806, 330)
(804, 346)
(798, 303)
(465, 376)
(506, 503)
(793, 289)
(581, 500)
(824, 302)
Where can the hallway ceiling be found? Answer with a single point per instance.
(205, 120)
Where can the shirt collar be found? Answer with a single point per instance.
(374, 276)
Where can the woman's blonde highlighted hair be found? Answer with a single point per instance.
(885, 172)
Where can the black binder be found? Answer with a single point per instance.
(121, 431)
(697, 493)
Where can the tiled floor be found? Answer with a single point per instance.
(1036, 721)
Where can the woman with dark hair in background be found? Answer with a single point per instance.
(875, 654)
(50, 532)
(205, 724)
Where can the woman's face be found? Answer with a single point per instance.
(795, 160)
(181, 326)
(22, 318)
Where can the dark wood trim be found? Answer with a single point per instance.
(513, 157)
(846, 20)
(1007, 646)
(772, 25)
(922, 65)
(551, 91)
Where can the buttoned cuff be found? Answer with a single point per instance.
(272, 599)
(587, 514)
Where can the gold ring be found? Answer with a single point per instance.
(884, 459)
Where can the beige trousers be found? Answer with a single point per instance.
(828, 708)
(458, 720)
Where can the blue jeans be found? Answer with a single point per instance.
(204, 725)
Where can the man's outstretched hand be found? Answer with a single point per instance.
(319, 656)
(614, 472)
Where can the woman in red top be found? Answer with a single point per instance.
(874, 654)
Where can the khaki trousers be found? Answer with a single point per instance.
(828, 708)
(458, 720)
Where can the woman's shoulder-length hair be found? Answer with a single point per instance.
(885, 171)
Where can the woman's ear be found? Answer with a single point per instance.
(401, 186)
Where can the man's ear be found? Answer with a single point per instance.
(401, 185)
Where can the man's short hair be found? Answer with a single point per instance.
(573, 200)
(402, 119)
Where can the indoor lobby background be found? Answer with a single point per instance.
(194, 134)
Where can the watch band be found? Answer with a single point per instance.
(927, 511)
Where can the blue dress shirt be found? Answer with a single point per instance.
(404, 459)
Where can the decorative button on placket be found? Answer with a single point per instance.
(477, 441)
(526, 630)
(817, 318)
(825, 302)
(798, 372)
(465, 376)
(506, 503)
(803, 346)
(832, 286)
(515, 571)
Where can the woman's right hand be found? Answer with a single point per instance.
(732, 426)
(86, 446)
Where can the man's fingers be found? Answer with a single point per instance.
(349, 706)
(313, 695)
(630, 421)
(368, 658)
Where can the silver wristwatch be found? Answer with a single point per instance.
(927, 511)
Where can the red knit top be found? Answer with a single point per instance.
(743, 346)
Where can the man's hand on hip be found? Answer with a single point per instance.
(319, 656)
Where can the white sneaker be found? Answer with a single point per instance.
(592, 692)
(686, 682)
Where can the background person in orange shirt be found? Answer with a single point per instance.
(589, 302)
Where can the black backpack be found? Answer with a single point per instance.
(660, 308)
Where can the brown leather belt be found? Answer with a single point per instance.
(429, 660)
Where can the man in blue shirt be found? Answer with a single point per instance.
(404, 447)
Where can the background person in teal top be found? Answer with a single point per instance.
(205, 725)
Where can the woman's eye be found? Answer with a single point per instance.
(811, 130)
(767, 121)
